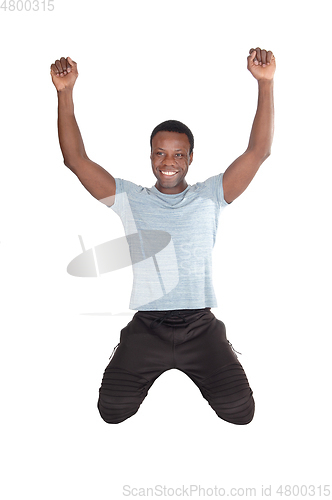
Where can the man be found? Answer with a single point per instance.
(172, 291)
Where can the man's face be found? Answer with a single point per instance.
(170, 160)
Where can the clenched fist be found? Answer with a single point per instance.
(261, 64)
(64, 73)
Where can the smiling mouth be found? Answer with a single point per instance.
(168, 173)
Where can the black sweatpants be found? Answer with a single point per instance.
(193, 341)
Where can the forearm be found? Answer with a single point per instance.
(71, 142)
(262, 130)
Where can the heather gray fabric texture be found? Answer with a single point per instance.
(178, 275)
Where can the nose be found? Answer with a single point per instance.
(168, 160)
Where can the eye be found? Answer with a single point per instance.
(179, 154)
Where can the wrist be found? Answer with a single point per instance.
(65, 90)
(65, 100)
(265, 81)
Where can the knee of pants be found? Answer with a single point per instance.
(120, 395)
(229, 394)
(240, 411)
(114, 412)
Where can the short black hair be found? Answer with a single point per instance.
(174, 126)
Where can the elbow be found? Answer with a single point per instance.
(260, 155)
(263, 154)
(266, 155)
(66, 162)
(74, 161)
(69, 164)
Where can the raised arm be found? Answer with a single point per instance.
(240, 173)
(94, 178)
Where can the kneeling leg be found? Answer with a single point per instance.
(228, 392)
(121, 394)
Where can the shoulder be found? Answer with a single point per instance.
(211, 188)
(124, 186)
(127, 191)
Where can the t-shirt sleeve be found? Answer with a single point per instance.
(124, 191)
(118, 189)
(215, 187)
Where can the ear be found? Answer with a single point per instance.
(191, 157)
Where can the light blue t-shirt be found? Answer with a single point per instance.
(171, 242)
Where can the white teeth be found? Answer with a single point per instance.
(168, 173)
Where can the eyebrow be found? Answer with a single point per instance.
(174, 149)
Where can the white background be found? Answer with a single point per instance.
(140, 63)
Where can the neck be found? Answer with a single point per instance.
(171, 190)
